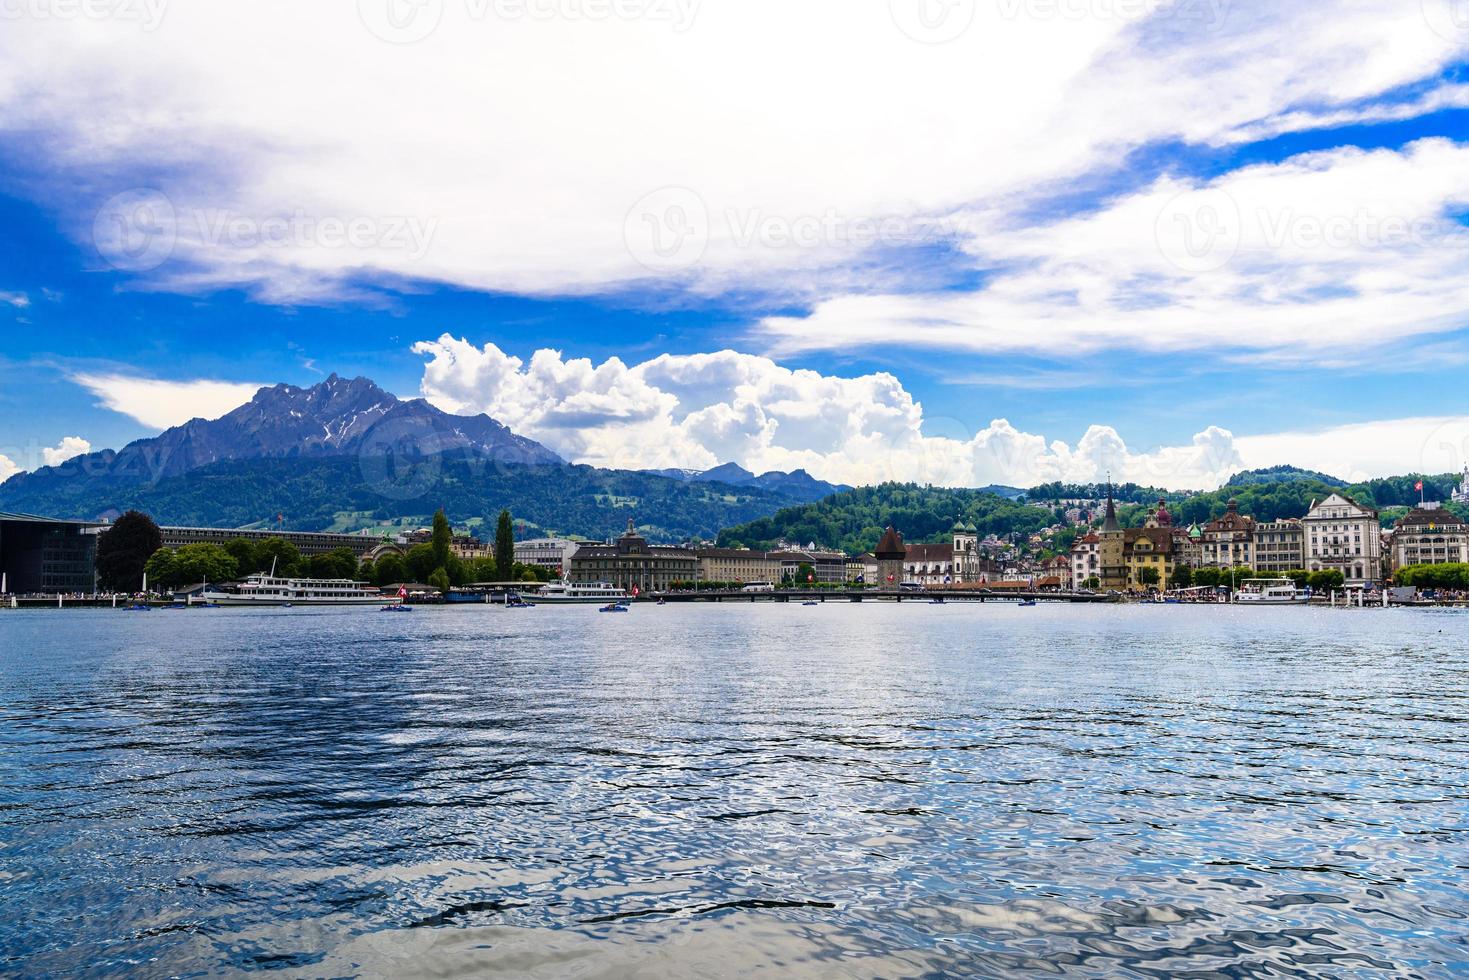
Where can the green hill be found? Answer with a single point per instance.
(854, 521)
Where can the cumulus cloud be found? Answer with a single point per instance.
(18, 300)
(700, 410)
(69, 448)
(163, 404)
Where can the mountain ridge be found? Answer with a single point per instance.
(336, 417)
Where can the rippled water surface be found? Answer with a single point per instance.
(873, 790)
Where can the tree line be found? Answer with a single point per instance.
(133, 547)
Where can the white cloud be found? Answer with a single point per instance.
(18, 300)
(519, 172)
(703, 409)
(163, 404)
(70, 448)
(1346, 249)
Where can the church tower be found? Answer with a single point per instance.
(1112, 549)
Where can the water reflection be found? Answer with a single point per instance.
(866, 791)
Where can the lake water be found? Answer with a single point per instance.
(873, 790)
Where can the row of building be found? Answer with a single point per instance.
(1336, 534)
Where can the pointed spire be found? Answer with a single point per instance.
(1111, 524)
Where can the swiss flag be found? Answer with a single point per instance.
(1419, 486)
(635, 591)
(810, 577)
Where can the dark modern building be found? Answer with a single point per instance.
(43, 555)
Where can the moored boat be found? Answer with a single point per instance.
(264, 589)
(584, 593)
(1270, 592)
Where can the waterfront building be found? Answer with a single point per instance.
(953, 562)
(307, 542)
(47, 556)
(1086, 560)
(1148, 548)
(552, 554)
(1429, 535)
(631, 563)
(891, 554)
(862, 569)
(1229, 541)
(1280, 546)
(738, 565)
(1344, 536)
(1055, 573)
(1112, 549)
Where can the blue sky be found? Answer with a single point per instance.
(990, 221)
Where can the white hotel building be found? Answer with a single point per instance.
(1342, 534)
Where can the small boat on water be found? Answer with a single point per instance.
(615, 607)
(137, 607)
(1028, 602)
(514, 600)
(811, 603)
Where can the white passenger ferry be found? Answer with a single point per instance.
(264, 589)
(1270, 592)
(564, 593)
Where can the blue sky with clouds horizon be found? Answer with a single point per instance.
(1162, 240)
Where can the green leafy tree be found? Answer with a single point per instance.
(1206, 578)
(124, 549)
(482, 570)
(161, 569)
(390, 569)
(504, 542)
(439, 579)
(191, 564)
(280, 554)
(1326, 580)
(1148, 576)
(338, 563)
(1092, 583)
(421, 562)
(246, 553)
(367, 571)
(1182, 578)
(443, 539)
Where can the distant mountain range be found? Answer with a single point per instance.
(797, 484)
(345, 454)
(337, 417)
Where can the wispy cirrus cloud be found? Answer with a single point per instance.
(161, 404)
